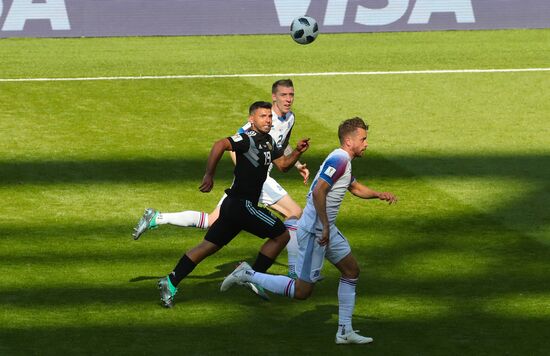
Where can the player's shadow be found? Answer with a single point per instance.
(221, 271)
(322, 314)
(144, 278)
(94, 171)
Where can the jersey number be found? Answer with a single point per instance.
(267, 156)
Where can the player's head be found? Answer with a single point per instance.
(282, 94)
(259, 115)
(353, 136)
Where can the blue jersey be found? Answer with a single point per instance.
(336, 171)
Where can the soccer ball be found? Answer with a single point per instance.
(304, 29)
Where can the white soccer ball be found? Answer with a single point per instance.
(304, 29)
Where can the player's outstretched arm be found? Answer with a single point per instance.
(301, 167)
(216, 154)
(364, 192)
(284, 163)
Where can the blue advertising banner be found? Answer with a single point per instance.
(77, 18)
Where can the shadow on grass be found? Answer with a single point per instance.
(530, 212)
(100, 243)
(503, 265)
(530, 167)
(222, 271)
(254, 334)
(99, 171)
(533, 209)
(515, 267)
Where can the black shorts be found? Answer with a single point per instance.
(241, 214)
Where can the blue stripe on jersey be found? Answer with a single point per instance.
(333, 169)
(253, 212)
(260, 214)
(265, 216)
(326, 179)
(305, 273)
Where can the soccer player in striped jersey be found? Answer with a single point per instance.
(318, 236)
(273, 195)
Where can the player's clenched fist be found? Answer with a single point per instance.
(302, 145)
(207, 183)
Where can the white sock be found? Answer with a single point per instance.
(281, 285)
(346, 304)
(185, 218)
(292, 246)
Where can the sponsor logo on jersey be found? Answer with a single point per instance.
(251, 133)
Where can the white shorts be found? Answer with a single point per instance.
(311, 255)
(272, 192)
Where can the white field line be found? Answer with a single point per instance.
(285, 75)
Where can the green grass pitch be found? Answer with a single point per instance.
(459, 266)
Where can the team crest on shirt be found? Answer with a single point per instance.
(236, 138)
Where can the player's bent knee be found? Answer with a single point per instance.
(351, 273)
(288, 207)
(295, 212)
(202, 250)
(283, 238)
(302, 290)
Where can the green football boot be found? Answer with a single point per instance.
(257, 289)
(147, 222)
(167, 292)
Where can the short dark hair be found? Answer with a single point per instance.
(349, 126)
(283, 83)
(258, 104)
